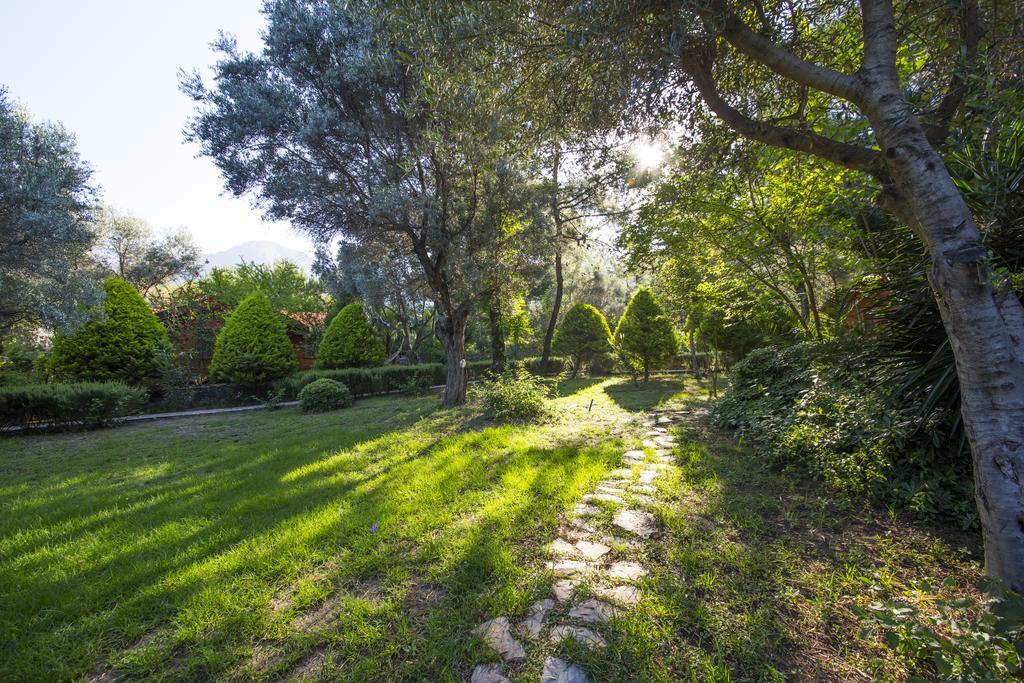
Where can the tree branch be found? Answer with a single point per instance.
(879, 28)
(970, 37)
(764, 51)
(845, 154)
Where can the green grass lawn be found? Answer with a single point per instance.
(367, 543)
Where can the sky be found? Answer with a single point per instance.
(108, 71)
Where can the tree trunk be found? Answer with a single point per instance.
(497, 337)
(693, 356)
(452, 334)
(556, 305)
(985, 326)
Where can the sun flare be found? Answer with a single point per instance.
(648, 154)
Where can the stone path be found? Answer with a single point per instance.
(598, 575)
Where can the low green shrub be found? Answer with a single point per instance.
(380, 380)
(85, 404)
(959, 639)
(556, 365)
(323, 395)
(820, 407)
(514, 395)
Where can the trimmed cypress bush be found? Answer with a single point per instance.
(252, 348)
(323, 395)
(88, 404)
(350, 341)
(128, 344)
(644, 336)
(583, 336)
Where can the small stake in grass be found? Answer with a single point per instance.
(591, 405)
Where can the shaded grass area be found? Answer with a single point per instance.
(757, 571)
(236, 545)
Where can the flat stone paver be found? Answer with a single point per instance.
(642, 524)
(627, 570)
(644, 488)
(488, 673)
(498, 636)
(585, 510)
(567, 567)
(532, 624)
(593, 611)
(649, 475)
(605, 497)
(581, 635)
(623, 595)
(562, 589)
(560, 546)
(559, 671)
(591, 550)
(634, 456)
(608, 488)
(621, 473)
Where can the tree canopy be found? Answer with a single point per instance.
(47, 202)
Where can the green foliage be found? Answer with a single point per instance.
(253, 348)
(324, 394)
(514, 395)
(88, 404)
(350, 341)
(817, 406)
(379, 380)
(583, 336)
(46, 206)
(644, 336)
(959, 639)
(127, 344)
(131, 251)
(283, 283)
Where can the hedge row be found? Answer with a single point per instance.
(363, 381)
(87, 404)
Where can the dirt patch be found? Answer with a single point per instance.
(423, 597)
(321, 616)
(311, 667)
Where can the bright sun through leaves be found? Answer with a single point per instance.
(648, 154)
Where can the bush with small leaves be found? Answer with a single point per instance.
(583, 336)
(350, 341)
(644, 336)
(127, 344)
(82, 404)
(323, 395)
(253, 349)
(514, 395)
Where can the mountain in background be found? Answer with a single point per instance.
(260, 251)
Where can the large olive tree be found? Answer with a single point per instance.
(329, 127)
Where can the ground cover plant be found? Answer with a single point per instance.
(365, 545)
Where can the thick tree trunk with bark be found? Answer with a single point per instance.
(985, 325)
(451, 331)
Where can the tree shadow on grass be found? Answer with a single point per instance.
(208, 546)
(757, 569)
(642, 396)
